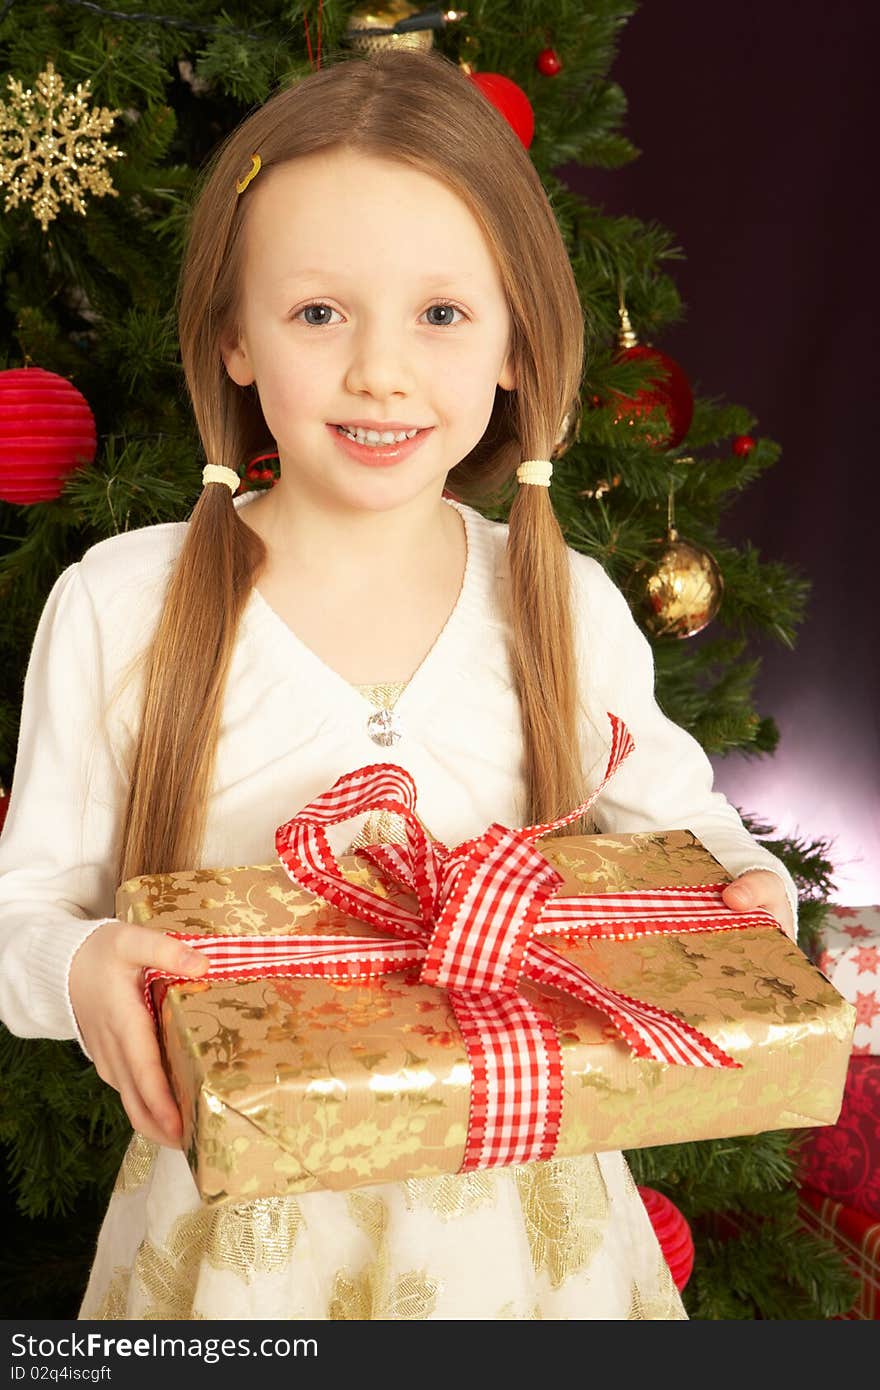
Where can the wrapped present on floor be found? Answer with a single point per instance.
(843, 1160)
(848, 954)
(857, 1236)
(414, 1009)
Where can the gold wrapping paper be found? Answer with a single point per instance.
(288, 1085)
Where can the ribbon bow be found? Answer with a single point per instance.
(481, 910)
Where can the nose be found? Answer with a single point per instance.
(380, 363)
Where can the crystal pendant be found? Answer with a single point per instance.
(384, 727)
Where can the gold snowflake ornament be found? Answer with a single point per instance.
(51, 150)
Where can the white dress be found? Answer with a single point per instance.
(564, 1239)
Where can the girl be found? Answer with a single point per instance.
(372, 256)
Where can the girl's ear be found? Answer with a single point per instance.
(507, 377)
(237, 362)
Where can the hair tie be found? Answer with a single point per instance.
(536, 471)
(217, 473)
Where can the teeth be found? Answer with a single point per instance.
(374, 437)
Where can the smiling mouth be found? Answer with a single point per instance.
(379, 451)
(361, 433)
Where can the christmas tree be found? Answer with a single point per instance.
(104, 124)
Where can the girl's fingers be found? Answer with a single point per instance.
(156, 1095)
(143, 1120)
(753, 889)
(106, 989)
(150, 1105)
(141, 946)
(143, 1077)
(148, 1072)
(759, 888)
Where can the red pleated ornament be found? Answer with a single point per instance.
(47, 430)
(673, 1234)
(510, 100)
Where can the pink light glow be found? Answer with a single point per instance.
(814, 791)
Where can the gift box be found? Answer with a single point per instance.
(857, 1236)
(415, 1009)
(843, 1160)
(288, 1083)
(848, 954)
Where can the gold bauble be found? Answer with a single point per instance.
(367, 17)
(677, 592)
(568, 432)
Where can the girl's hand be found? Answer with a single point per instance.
(106, 990)
(760, 888)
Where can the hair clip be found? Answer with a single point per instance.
(256, 165)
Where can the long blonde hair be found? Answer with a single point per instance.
(420, 109)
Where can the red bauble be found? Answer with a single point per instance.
(743, 445)
(669, 389)
(673, 1234)
(47, 430)
(4, 806)
(548, 62)
(510, 100)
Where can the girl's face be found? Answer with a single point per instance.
(369, 295)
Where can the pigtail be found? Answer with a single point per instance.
(543, 659)
(187, 666)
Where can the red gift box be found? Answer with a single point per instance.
(843, 1160)
(857, 1236)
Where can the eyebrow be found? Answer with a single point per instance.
(433, 277)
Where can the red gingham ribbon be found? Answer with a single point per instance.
(481, 908)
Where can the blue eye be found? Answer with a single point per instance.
(444, 304)
(307, 307)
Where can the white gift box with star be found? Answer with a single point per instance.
(848, 954)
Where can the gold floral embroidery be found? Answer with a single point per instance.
(635, 1304)
(370, 1213)
(565, 1206)
(414, 1296)
(350, 1300)
(246, 1239)
(664, 1303)
(137, 1164)
(373, 1293)
(256, 1236)
(452, 1194)
(114, 1303)
(168, 1275)
(383, 694)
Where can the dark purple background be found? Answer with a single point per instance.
(753, 124)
